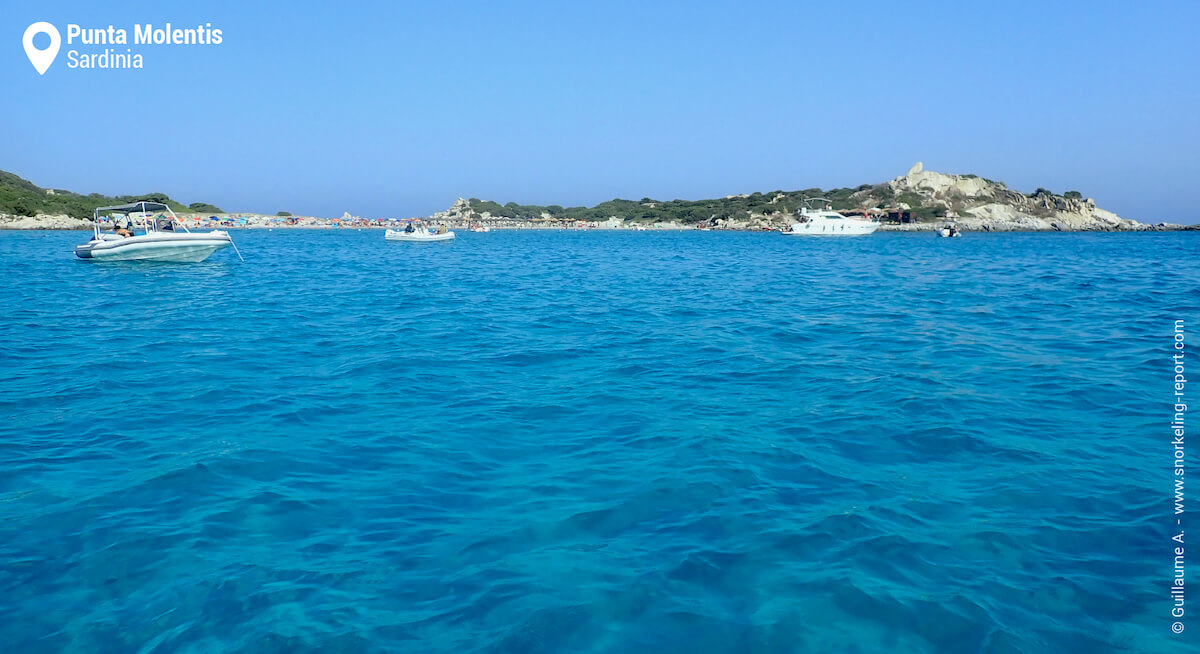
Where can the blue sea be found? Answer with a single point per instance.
(593, 442)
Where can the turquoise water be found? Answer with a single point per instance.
(592, 442)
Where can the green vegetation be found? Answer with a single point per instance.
(648, 210)
(203, 207)
(23, 198)
(284, 214)
(1073, 195)
(926, 214)
(913, 200)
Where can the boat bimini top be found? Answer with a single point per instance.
(158, 224)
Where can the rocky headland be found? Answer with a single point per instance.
(975, 203)
(921, 200)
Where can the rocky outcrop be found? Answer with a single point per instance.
(43, 221)
(976, 203)
(460, 211)
(756, 221)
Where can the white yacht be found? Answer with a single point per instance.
(827, 222)
(165, 237)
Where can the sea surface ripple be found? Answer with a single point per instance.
(592, 442)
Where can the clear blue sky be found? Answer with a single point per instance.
(397, 108)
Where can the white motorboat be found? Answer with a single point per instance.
(827, 222)
(949, 231)
(419, 234)
(166, 238)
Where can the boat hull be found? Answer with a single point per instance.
(182, 248)
(833, 228)
(417, 237)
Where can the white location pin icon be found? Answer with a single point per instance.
(41, 59)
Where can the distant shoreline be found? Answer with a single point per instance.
(56, 223)
(919, 201)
